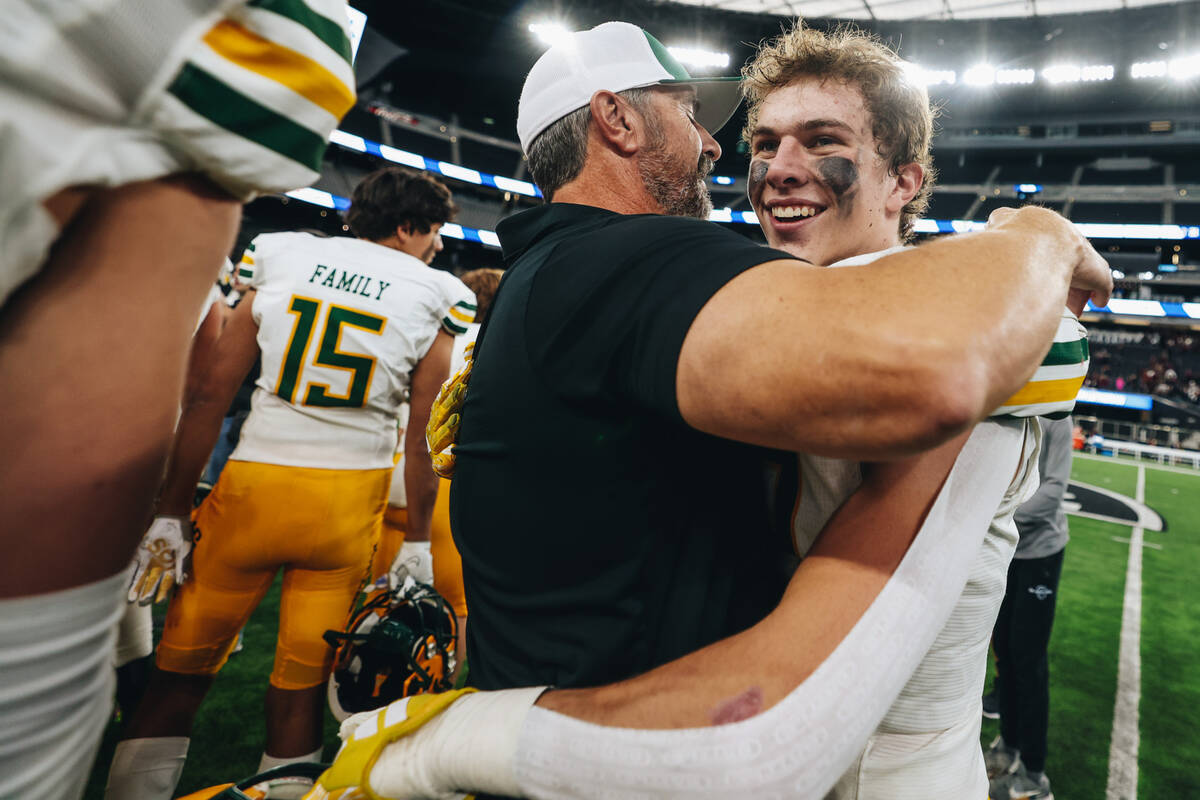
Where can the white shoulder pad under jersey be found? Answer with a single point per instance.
(341, 324)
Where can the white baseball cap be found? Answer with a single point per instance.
(614, 56)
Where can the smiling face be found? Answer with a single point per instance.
(817, 183)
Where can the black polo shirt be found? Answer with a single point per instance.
(601, 535)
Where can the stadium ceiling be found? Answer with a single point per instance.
(918, 9)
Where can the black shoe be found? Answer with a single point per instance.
(991, 705)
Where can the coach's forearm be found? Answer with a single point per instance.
(888, 358)
(990, 301)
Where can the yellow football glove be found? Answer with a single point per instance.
(349, 776)
(162, 560)
(441, 433)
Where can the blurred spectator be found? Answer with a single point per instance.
(1163, 363)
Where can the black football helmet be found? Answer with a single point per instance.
(399, 643)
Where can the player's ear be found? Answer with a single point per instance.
(404, 231)
(909, 179)
(616, 121)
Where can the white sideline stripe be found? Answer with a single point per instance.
(1129, 541)
(1129, 462)
(1123, 751)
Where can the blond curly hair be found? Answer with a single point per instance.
(901, 114)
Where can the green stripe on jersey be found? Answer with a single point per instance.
(466, 305)
(211, 98)
(453, 327)
(250, 247)
(323, 28)
(245, 273)
(1062, 353)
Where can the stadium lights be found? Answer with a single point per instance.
(1028, 188)
(700, 59)
(550, 33)
(980, 75)
(1098, 72)
(929, 77)
(1012, 76)
(1069, 73)
(1148, 69)
(1182, 69)
(1061, 73)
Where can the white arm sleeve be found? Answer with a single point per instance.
(802, 745)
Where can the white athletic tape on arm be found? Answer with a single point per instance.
(802, 745)
(471, 746)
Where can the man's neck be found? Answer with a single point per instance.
(618, 190)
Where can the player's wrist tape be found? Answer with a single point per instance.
(435, 745)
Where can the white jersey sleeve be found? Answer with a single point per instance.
(460, 306)
(341, 324)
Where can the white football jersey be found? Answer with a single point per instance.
(341, 324)
(928, 743)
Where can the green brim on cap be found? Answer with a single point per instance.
(716, 98)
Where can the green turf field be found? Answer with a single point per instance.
(1085, 643)
(227, 740)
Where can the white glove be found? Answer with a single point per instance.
(163, 560)
(414, 560)
(430, 747)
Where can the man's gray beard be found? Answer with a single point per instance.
(679, 196)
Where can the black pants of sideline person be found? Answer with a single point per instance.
(1020, 638)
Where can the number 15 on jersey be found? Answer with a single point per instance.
(329, 353)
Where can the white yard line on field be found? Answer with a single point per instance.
(1129, 462)
(1128, 541)
(1123, 751)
